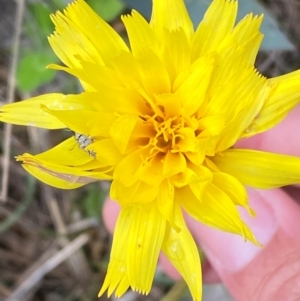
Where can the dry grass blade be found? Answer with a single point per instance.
(41, 270)
(176, 291)
(4, 290)
(10, 97)
(82, 225)
(16, 214)
(77, 262)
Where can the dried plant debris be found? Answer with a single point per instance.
(41, 225)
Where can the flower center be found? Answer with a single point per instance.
(167, 135)
(170, 132)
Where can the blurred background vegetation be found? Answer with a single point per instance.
(53, 245)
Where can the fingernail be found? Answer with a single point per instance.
(231, 252)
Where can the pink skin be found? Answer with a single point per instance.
(250, 273)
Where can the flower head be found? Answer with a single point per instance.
(160, 119)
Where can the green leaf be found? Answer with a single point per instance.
(41, 15)
(107, 9)
(274, 38)
(60, 4)
(32, 72)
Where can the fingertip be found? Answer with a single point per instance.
(228, 251)
(168, 268)
(210, 275)
(266, 273)
(286, 210)
(282, 139)
(110, 214)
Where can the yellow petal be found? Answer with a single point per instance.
(86, 74)
(121, 130)
(92, 25)
(214, 209)
(28, 112)
(188, 177)
(240, 80)
(138, 235)
(77, 34)
(127, 170)
(120, 99)
(187, 141)
(138, 193)
(218, 22)
(122, 287)
(50, 178)
(247, 33)
(83, 121)
(184, 178)
(45, 170)
(198, 156)
(127, 70)
(212, 125)
(284, 97)
(175, 43)
(165, 202)
(259, 169)
(91, 75)
(150, 67)
(69, 44)
(218, 211)
(66, 153)
(233, 188)
(174, 163)
(117, 269)
(171, 104)
(144, 243)
(106, 152)
(151, 171)
(141, 39)
(69, 153)
(181, 250)
(171, 15)
(253, 100)
(138, 74)
(191, 85)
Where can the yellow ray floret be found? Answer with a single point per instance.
(160, 118)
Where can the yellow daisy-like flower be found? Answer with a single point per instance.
(160, 120)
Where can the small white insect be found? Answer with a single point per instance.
(84, 141)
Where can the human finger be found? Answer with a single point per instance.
(282, 139)
(251, 273)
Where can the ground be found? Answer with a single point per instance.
(53, 244)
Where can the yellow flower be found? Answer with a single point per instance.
(160, 120)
